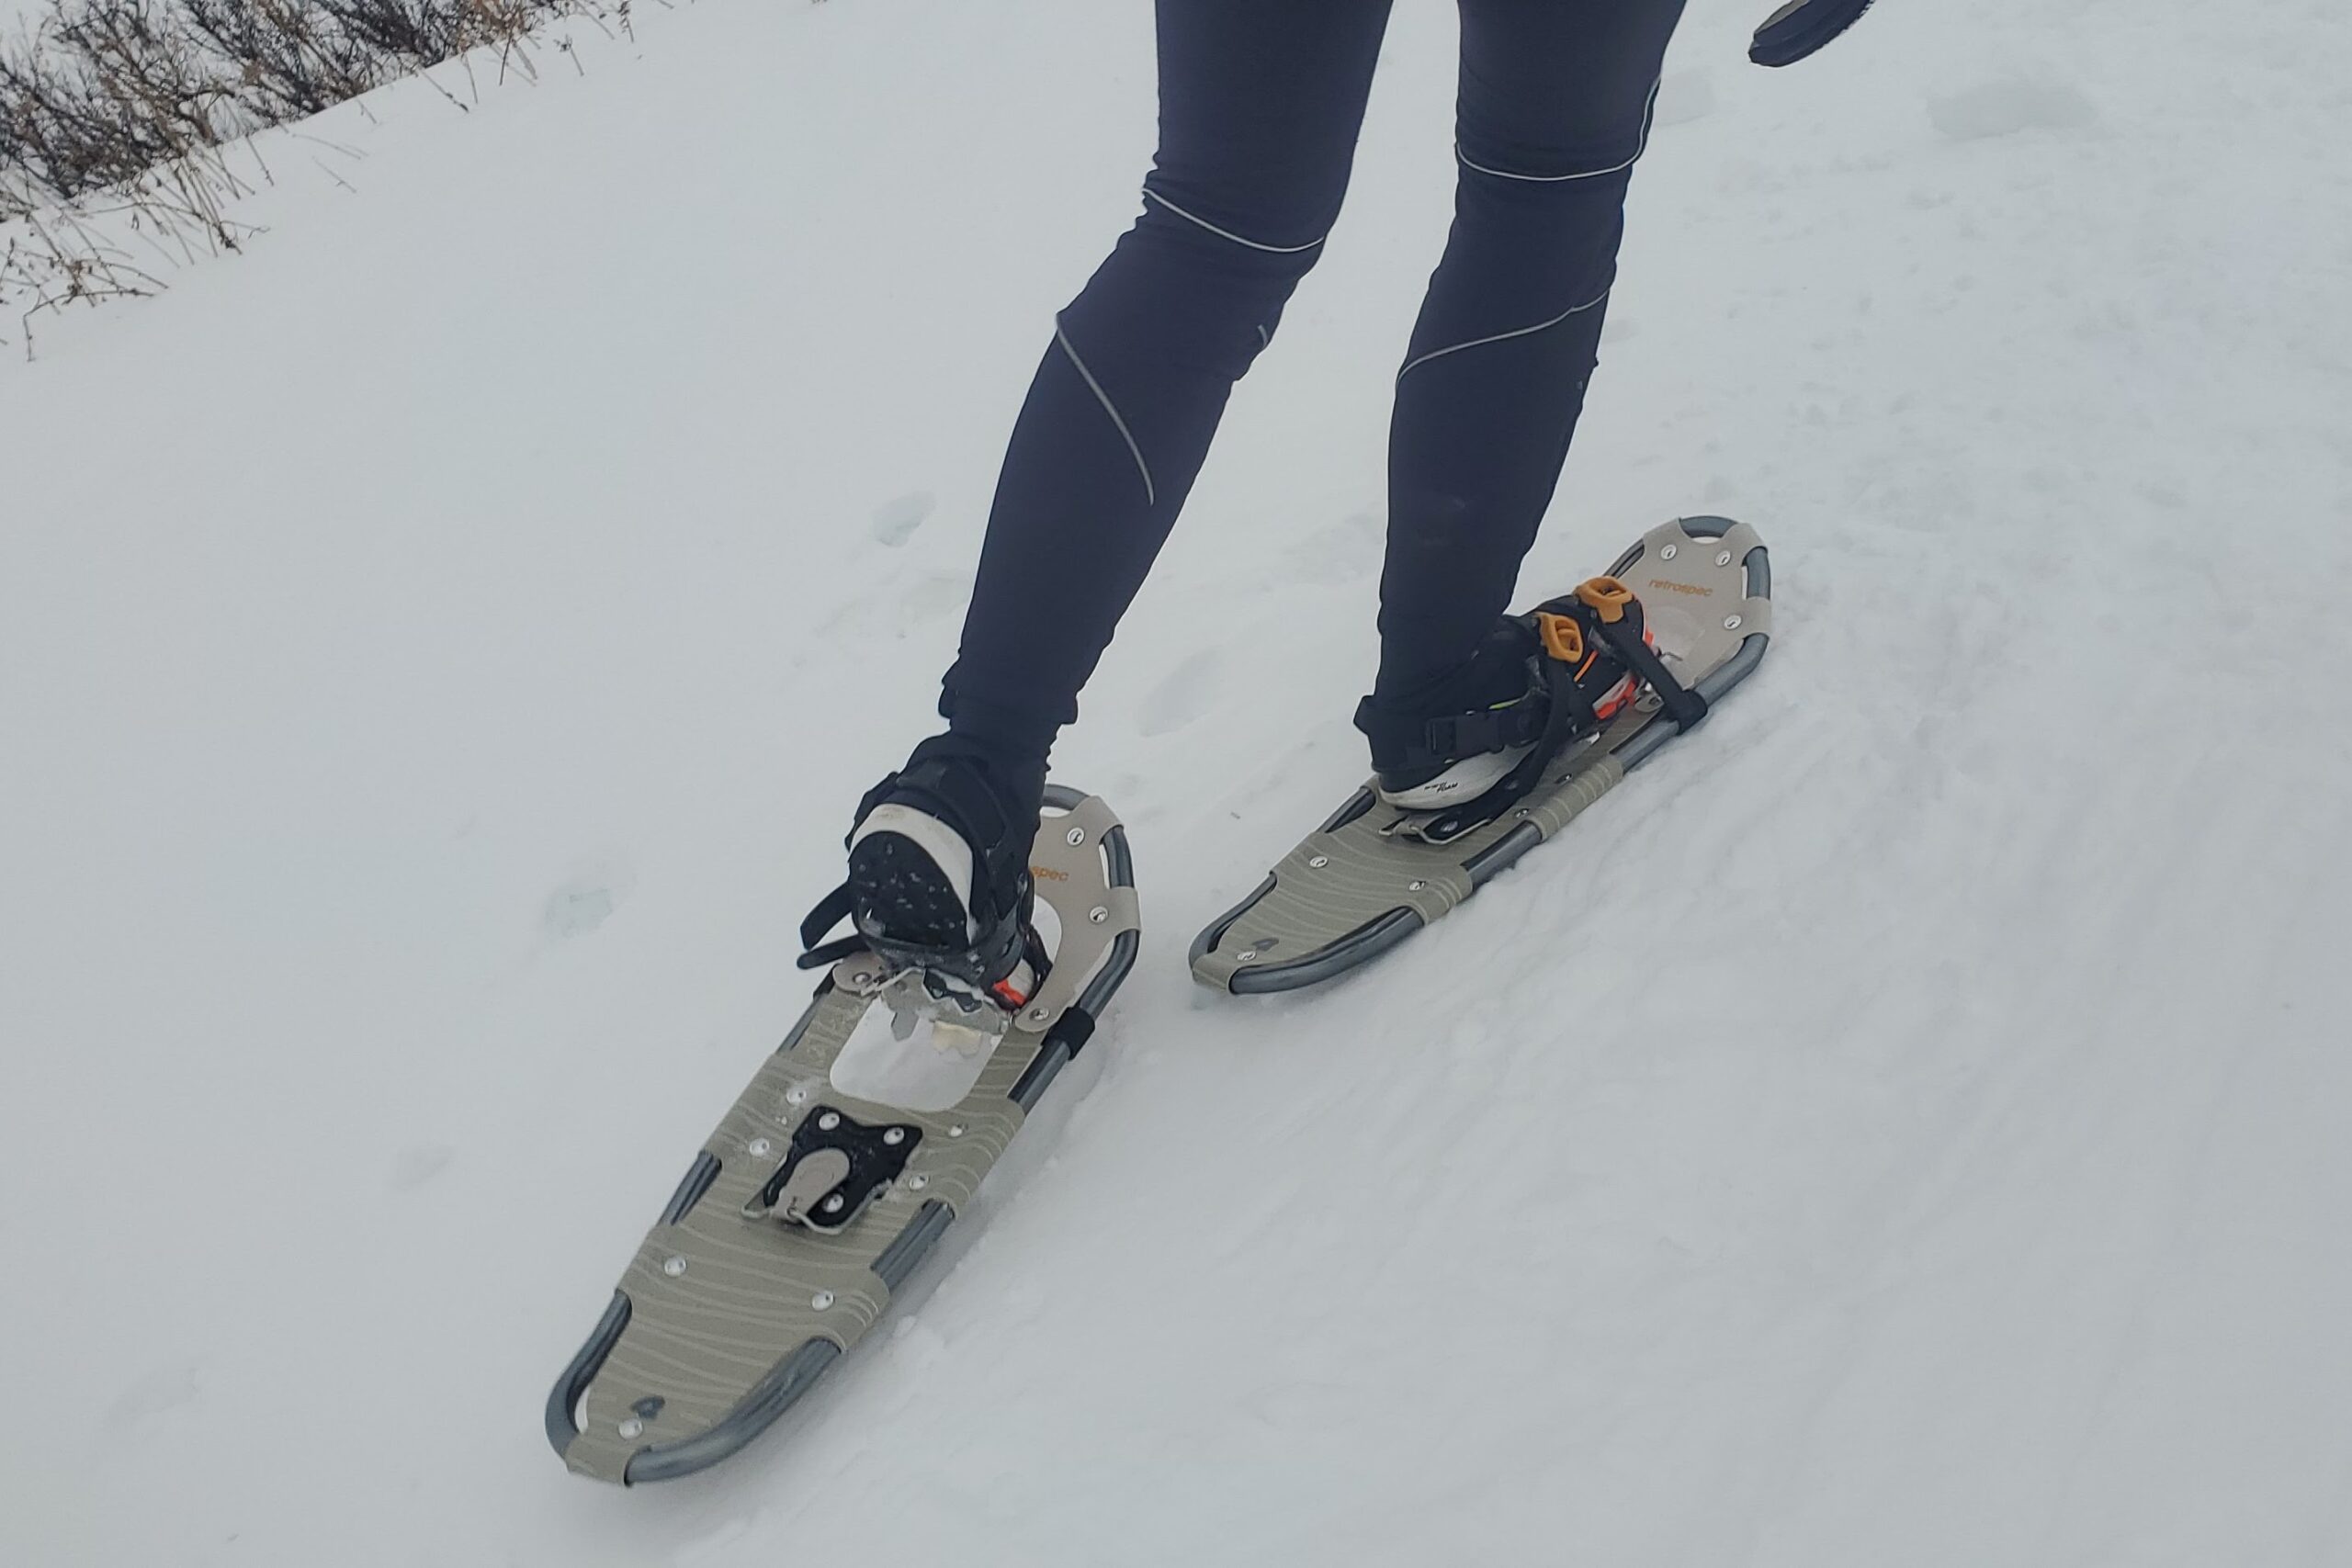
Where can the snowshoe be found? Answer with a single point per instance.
(1686, 614)
(819, 1192)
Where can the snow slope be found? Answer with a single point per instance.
(438, 650)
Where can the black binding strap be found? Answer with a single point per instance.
(1415, 743)
(1460, 735)
(827, 955)
(831, 911)
(1623, 635)
(1567, 713)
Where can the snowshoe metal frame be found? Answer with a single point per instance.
(1355, 888)
(724, 1319)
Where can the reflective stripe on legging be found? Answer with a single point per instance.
(1260, 101)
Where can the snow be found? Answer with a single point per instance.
(439, 649)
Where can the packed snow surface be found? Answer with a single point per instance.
(440, 647)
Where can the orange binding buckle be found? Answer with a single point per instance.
(1563, 639)
(1606, 597)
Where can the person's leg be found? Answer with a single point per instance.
(1555, 105)
(1260, 104)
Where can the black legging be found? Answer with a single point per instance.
(1260, 104)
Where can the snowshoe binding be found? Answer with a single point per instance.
(1575, 662)
(1558, 709)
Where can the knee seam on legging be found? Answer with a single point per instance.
(1649, 116)
(1151, 195)
(1150, 491)
(1499, 337)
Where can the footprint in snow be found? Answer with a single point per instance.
(156, 1391)
(2005, 106)
(1306, 1407)
(936, 593)
(1338, 553)
(1184, 694)
(895, 522)
(1683, 96)
(418, 1164)
(586, 900)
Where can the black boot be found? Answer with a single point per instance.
(1456, 738)
(939, 871)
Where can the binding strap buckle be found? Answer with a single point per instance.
(1605, 597)
(1561, 638)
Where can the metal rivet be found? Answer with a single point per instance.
(918, 1182)
(1098, 914)
(1670, 552)
(956, 1130)
(1731, 622)
(673, 1265)
(822, 1299)
(1724, 560)
(1415, 885)
(832, 1205)
(894, 1134)
(1075, 836)
(829, 1121)
(1038, 1014)
(759, 1149)
(1318, 861)
(861, 978)
(630, 1428)
(1246, 955)
(796, 1095)
(1520, 815)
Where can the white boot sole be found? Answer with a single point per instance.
(943, 845)
(1467, 780)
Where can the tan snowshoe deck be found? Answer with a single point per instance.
(723, 1319)
(1355, 887)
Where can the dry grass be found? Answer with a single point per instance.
(124, 122)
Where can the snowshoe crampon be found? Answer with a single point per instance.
(1373, 875)
(809, 1205)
